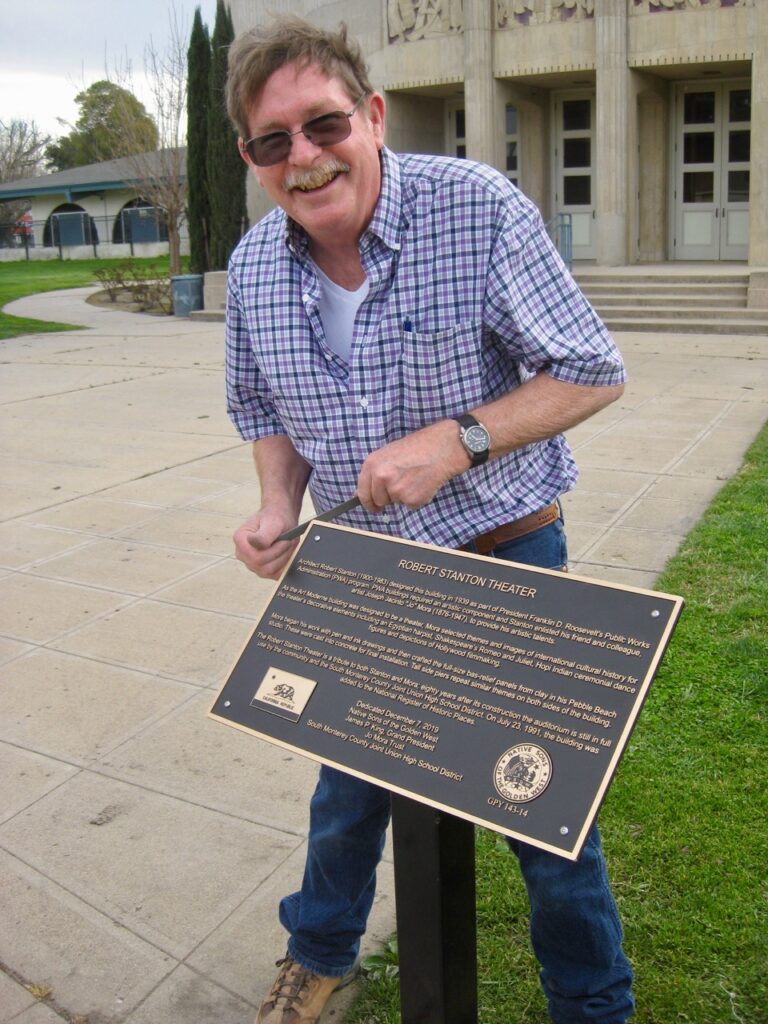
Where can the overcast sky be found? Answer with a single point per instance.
(51, 49)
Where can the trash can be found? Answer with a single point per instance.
(187, 293)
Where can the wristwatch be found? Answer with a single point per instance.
(475, 438)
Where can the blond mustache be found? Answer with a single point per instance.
(315, 177)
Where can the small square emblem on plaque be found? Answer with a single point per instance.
(284, 694)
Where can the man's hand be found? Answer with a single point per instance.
(283, 476)
(411, 470)
(255, 544)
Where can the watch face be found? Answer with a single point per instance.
(476, 438)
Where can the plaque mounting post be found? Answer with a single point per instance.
(435, 903)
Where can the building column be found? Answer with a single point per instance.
(612, 142)
(758, 164)
(648, 176)
(483, 96)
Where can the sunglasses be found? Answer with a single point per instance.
(326, 130)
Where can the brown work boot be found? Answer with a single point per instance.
(298, 995)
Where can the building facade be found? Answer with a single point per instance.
(92, 210)
(645, 120)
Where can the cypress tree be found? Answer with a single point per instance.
(226, 169)
(198, 91)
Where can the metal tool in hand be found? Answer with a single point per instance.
(323, 517)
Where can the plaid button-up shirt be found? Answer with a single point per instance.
(467, 299)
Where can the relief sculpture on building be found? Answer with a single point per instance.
(510, 13)
(655, 6)
(421, 19)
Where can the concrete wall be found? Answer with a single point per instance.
(104, 251)
(415, 123)
(692, 35)
(546, 48)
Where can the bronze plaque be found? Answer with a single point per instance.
(499, 692)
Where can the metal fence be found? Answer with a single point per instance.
(138, 231)
(133, 231)
(561, 232)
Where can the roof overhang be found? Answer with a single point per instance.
(86, 188)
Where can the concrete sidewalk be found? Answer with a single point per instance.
(143, 847)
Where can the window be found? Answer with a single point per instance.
(577, 115)
(512, 144)
(577, 189)
(457, 130)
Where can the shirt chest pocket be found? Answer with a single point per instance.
(441, 373)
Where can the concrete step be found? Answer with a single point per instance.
(675, 312)
(664, 303)
(664, 325)
(722, 286)
(706, 303)
(215, 290)
(620, 321)
(671, 301)
(208, 315)
(671, 279)
(660, 287)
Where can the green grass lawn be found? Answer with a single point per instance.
(29, 277)
(685, 823)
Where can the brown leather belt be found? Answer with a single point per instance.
(486, 542)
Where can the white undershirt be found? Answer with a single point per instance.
(338, 309)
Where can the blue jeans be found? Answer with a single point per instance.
(575, 928)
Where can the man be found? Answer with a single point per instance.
(401, 328)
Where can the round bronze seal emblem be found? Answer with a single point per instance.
(522, 773)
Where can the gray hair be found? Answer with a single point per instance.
(258, 52)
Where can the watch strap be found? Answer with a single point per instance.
(465, 421)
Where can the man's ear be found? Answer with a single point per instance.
(251, 165)
(376, 115)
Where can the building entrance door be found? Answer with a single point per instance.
(574, 119)
(711, 180)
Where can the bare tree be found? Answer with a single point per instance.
(160, 177)
(22, 147)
